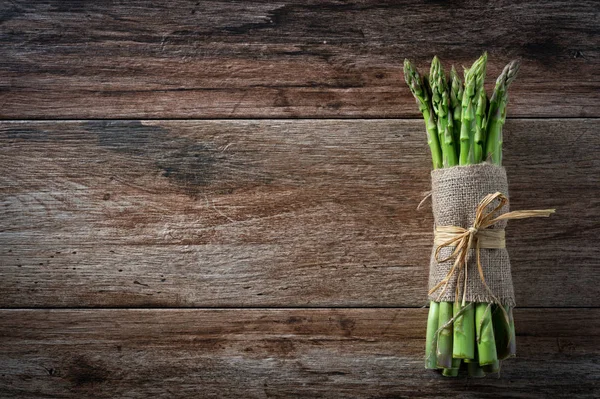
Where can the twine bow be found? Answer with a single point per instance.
(479, 234)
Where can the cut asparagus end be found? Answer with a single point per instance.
(453, 371)
(450, 373)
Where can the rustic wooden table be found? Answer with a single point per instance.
(217, 199)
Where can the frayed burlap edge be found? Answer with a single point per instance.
(456, 192)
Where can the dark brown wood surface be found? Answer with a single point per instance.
(259, 164)
(182, 59)
(271, 213)
(268, 353)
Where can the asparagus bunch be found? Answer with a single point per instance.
(464, 127)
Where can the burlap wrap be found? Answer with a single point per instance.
(456, 192)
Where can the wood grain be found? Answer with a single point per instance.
(183, 59)
(333, 353)
(271, 213)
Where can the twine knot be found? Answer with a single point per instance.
(480, 235)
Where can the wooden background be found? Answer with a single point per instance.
(217, 199)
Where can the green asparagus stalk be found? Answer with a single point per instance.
(431, 338)
(486, 344)
(466, 117)
(480, 112)
(418, 86)
(456, 361)
(473, 81)
(456, 94)
(464, 337)
(419, 91)
(497, 113)
(464, 331)
(441, 105)
(480, 124)
(444, 345)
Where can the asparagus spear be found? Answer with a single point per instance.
(486, 345)
(480, 110)
(456, 361)
(441, 106)
(466, 116)
(480, 122)
(497, 112)
(470, 134)
(473, 82)
(418, 86)
(444, 345)
(431, 337)
(456, 94)
(419, 90)
(464, 331)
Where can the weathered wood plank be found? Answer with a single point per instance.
(150, 59)
(271, 213)
(253, 353)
